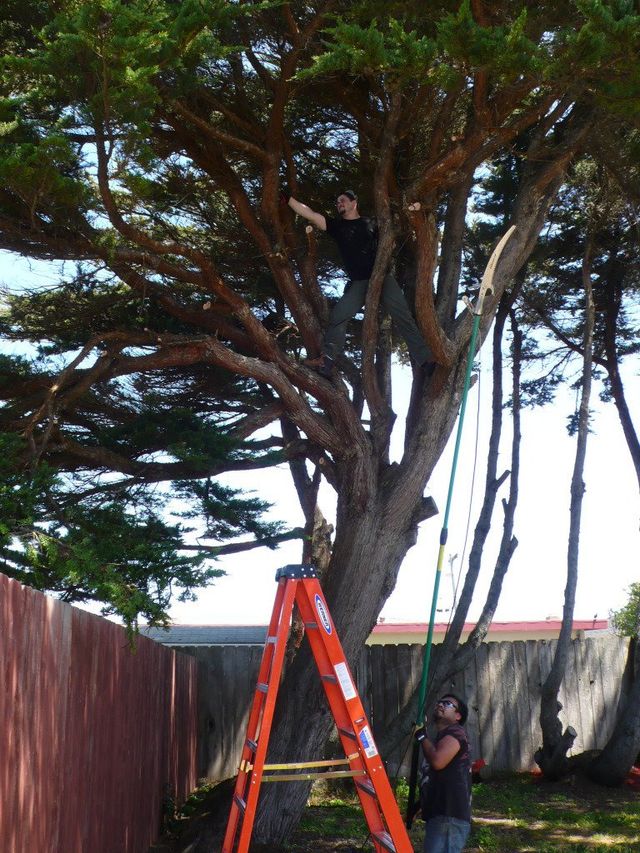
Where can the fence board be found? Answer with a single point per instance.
(91, 733)
(610, 666)
(520, 698)
(534, 684)
(570, 697)
(471, 695)
(485, 747)
(362, 676)
(377, 660)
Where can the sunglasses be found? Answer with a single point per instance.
(447, 703)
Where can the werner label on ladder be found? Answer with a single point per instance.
(299, 584)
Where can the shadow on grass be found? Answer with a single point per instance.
(527, 815)
(515, 815)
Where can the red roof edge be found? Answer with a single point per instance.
(495, 627)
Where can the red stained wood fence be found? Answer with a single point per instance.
(93, 736)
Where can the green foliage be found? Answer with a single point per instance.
(626, 621)
(226, 514)
(125, 557)
(504, 51)
(42, 173)
(450, 45)
(181, 100)
(380, 47)
(109, 545)
(456, 46)
(21, 494)
(609, 37)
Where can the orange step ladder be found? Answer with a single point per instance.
(299, 583)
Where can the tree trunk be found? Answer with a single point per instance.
(621, 751)
(613, 294)
(451, 657)
(303, 720)
(552, 756)
(380, 506)
(377, 520)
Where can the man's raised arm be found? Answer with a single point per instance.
(301, 209)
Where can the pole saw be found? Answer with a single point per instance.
(486, 287)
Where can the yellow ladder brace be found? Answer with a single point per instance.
(306, 777)
(245, 766)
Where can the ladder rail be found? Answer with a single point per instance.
(267, 718)
(381, 812)
(347, 732)
(299, 585)
(260, 721)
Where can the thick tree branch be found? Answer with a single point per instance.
(241, 547)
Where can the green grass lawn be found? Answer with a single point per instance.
(521, 814)
(515, 815)
(527, 814)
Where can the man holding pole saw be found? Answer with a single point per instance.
(454, 705)
(446, 791)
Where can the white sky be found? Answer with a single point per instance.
(533, 588)
(534, 585)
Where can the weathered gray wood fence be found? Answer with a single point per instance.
(501, 686)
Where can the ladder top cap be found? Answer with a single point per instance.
(296, 571)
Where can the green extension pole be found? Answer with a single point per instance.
(486, 287)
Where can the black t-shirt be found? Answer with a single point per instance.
(357, 241)
(447, 792)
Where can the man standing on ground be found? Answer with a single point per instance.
(446, 794)
(357, 241)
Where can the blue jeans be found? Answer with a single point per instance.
(445, 835)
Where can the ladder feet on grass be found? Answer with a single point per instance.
(300, 585)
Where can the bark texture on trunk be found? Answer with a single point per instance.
(617, 758)
(552, 755)
(370, 550)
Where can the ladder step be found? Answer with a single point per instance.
(367, 787)
(298, 585)
(348, 733)
(384, 840)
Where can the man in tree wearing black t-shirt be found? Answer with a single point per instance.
(446, 794)
(357, 241)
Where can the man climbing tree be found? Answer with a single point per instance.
(357, 240)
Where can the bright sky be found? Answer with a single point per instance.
(534, 585)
